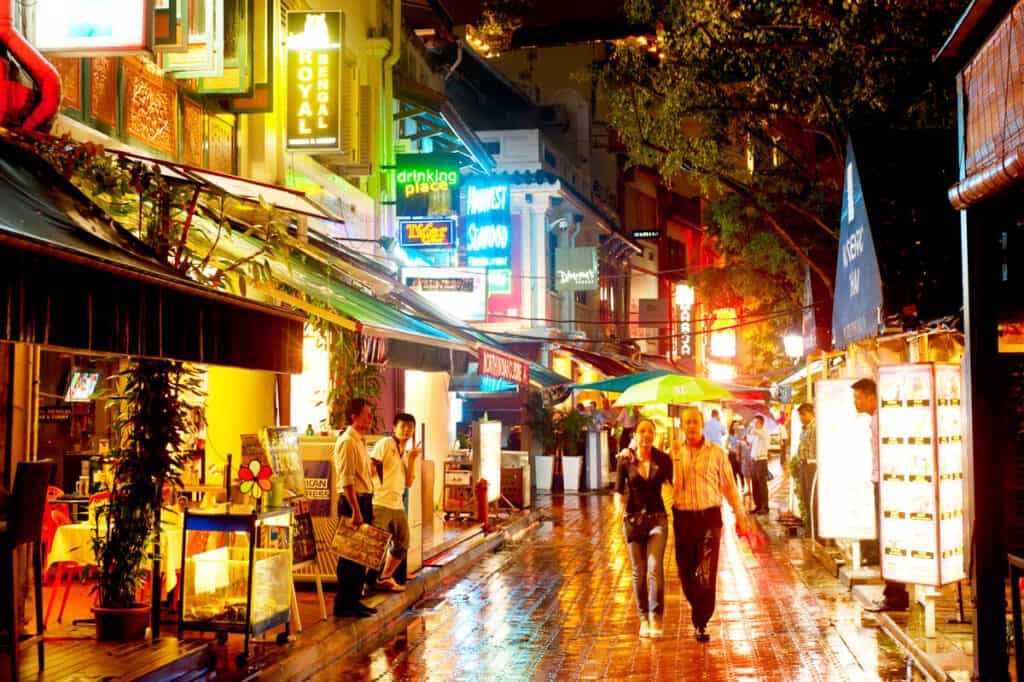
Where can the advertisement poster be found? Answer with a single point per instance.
(922, 473)
(845, 490)
(283, 446)
(318, 478)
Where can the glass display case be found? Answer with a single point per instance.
(236, 572)
(921, 459)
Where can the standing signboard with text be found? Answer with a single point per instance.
(846, 507)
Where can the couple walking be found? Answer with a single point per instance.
(700, 475)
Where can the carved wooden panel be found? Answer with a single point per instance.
(221, 140)
(103, 90)
(70, 70)
(150, 108)
(192, 133)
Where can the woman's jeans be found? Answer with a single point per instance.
(648, 557)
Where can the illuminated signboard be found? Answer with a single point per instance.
(499, 281)
(646, 234)
(427, 185)
(723, 333)
(314, 80)
(91, 27)
(488, 226)
(576, 269)
(462, 291)
(426, 234)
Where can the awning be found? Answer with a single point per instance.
(71, 278)
(682, 365)
(438, 120)
(749, 393)
(602, 363)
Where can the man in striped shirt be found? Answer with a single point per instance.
(703, 476)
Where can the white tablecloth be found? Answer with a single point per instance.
(73, 542)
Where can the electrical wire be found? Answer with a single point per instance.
(694, 320)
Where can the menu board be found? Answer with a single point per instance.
(285, 458)
(921, 457)
(845, 496)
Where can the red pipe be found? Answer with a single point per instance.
(42, 72)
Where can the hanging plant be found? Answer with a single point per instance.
(350, 377)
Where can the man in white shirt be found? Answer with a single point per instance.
(355, 500)
(759, 455)
(392, 475)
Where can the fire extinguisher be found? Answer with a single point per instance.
(480, 489)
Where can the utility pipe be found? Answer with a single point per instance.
(43, 73)
(386, 190)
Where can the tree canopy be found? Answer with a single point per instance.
(753, 100)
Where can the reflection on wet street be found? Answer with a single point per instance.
(557, 605)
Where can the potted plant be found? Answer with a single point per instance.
(149, 429)
(571, 427)
(538, 419)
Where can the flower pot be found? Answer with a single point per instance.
(545, 470)
(121, 625)
(572, 467)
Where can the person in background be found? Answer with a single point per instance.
(735, 443)
(807, 460)
(759, 455)
(714, 429)
(865, 401)
(641, 474)
(355, 503)
(393, 475)
(702, 478)
(627, 419)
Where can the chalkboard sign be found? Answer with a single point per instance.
(285, 458)
(303, 538)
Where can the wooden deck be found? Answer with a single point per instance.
(85, 659)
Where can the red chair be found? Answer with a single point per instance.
(72, 569)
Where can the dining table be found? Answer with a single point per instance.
(73, 542)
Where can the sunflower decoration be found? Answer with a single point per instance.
(254, 479)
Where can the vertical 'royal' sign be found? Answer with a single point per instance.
(314, 79)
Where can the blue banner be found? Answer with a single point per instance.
(857, 312)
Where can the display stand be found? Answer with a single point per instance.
(458, 488)
(236, 569)
(304, 555)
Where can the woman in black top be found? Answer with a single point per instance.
(638, 495)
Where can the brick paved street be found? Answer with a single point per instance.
(557, 605)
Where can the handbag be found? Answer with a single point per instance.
(638, 524)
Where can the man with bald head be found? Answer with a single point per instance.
(703, 476)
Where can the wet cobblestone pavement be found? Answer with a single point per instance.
(558, 605)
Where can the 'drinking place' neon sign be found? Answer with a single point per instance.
(487, 222)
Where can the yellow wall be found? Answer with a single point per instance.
(238, 401)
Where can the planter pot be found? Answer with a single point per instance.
(121, 625)
(572, 467)
(545, 471)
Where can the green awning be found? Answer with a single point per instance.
(620, 384)
(375, 317)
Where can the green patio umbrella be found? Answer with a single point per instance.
(672, 389)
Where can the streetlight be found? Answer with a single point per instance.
(794, 345)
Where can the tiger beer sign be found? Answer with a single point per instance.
(502, 366)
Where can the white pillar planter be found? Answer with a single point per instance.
(544, 472)
(572, 468)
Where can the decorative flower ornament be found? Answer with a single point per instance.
(254, 478)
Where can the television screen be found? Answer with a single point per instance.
(81, 385)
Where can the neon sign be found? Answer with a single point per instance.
(488, 220)
(427, 184)
(418, 234)
(314, 101)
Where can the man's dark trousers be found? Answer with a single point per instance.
(350, 574)
(698, 535)
(761, 484)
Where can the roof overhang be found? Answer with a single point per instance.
(438, 120)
